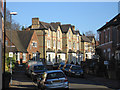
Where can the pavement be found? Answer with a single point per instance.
(110, 83)
(20, 81)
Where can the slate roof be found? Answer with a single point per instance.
(65, 28)
(47, 25)
(77, 32)
(55, 25)
(85, 39)
(113, 22)
(20, 39)
(90, 37)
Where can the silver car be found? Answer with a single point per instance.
(53, 79)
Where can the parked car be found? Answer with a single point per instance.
(37, 70)
(29, 65)
(61, 65)
(66, 68)
(53, 79)
(55, 65)
(76, 71)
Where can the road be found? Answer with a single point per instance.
(84, 84)
(22, 82)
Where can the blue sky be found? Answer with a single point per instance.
(84, 15)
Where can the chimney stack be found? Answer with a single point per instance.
(73, 27)
(35, 23)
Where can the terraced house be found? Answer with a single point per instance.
(58, 42)
(50, 42)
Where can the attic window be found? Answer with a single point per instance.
(34, 44)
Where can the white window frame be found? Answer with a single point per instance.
(48, 32)
(58, 34)
(69, 34)
(34, 44)
(48, 43)
(69, 45)
(54, 43)
(77, 46)
(59, 45)
(18, 56)
(24, 56)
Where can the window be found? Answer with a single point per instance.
(77, 38)
(24, 56)
(49, 58)
(104, 36)
(109, 35)
(34, 44)
(78, 46)
(69, 35)
(73, 45)
(18, 56)
(48, 32)
(58, 34)
(58, 56)
(70, 45)
(54, 43)
(58, 45)
(48, 43)
(100, 38)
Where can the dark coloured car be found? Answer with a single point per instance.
(61, 65)
(66, 68)
(55, 65)
(52, 80)
(37, 70)
(76, 71)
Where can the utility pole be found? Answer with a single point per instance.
(3, 80)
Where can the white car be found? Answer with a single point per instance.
(53, 79)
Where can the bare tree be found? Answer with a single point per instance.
(15, 25)
(89, 33)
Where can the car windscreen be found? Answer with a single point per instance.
(40, 67)
(67, 66)
(76, 68)
(55, 75)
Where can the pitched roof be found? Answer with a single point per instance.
(20, 39)
(113, 22)
(65, 28)
(77, 32)
(85, 39)
(55, 25)
(25, 37)
(90, 37)
(47, 25)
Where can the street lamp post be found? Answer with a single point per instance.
(11, 13)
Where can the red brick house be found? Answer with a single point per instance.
(24, 45)
(109, 39)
